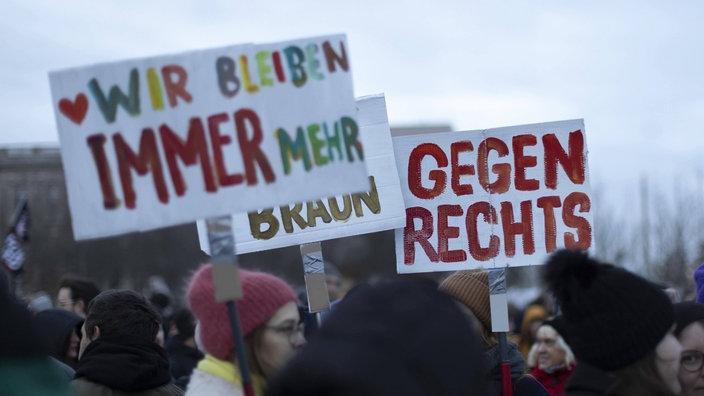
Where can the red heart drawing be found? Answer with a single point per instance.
(76, 110)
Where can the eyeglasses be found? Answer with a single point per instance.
(692, 361)
(292, 331)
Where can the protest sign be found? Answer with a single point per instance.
(379, 208)
(493, 198)
(159, 141)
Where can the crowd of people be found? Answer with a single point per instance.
(602, 331)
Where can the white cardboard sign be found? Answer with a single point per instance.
(159, 141)
(379, 208)
(493, 198)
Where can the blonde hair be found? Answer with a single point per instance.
(546, 330)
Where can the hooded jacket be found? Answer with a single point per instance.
(55, 329)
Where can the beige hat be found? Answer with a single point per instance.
(471, 288)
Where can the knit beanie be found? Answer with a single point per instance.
(699, 281)
(611, 318)
(471, 288)
(686, 313)
(262, 295)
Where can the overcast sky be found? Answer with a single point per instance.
(632, 69)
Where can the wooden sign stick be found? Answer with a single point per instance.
(228, 288)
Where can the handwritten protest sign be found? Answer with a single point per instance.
(379, 208)
(492, 198)
(165, 140)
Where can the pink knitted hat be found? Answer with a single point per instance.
(263, 295)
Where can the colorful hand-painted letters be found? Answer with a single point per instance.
(165, 140)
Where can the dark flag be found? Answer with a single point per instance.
(12, 255)
(20, 223)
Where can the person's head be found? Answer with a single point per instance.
(59, 331)
(24, 366)
(183, 324)
(533, 316)
(399, 337)
(268, 313)
(160, 301)
(75, 293)
(615, 320)
(120, 312)
(20, 332)
(333, 280)
(549, 351)
(689, 329)
(471, 289)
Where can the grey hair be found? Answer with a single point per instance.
(560, 342)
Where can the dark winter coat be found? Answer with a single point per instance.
(588, 380)
(182, 358)
(24, 367)
(55, 327)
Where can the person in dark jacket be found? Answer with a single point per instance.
(400, 337)
(59, 332)
(181, 346)
(25, 367)
(619, 326)
(118, 353)
(471, 290)
(75, 293)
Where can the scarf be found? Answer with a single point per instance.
(124, 363)
(554, 378)
(229, 372)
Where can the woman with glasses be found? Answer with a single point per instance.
(619, 326)
(551, 358)
(270, 324)
(689, 329)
